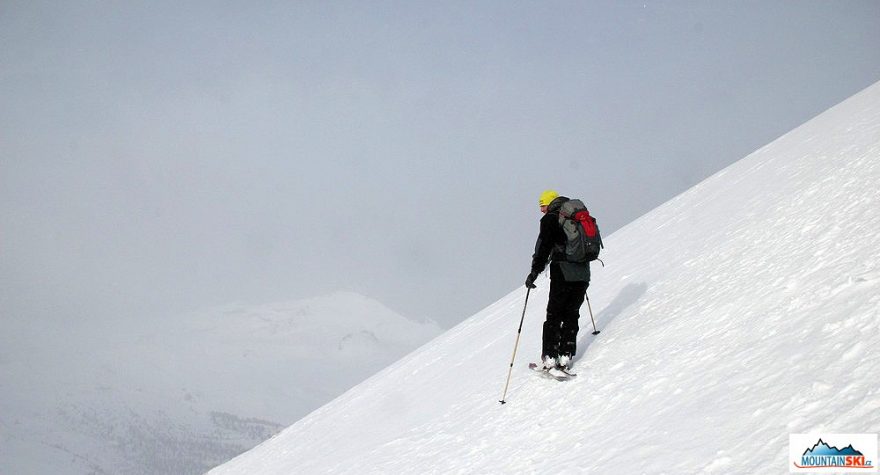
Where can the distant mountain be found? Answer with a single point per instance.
(181, 395)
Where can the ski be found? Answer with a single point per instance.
(554, 373)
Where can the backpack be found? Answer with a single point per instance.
(583, 241)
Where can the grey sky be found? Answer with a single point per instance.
(156, 157)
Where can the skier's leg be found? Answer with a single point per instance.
(555, 313)
(574, 298)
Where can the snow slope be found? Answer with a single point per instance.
(741, 311)
(182, 395)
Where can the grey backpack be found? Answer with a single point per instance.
(583, 241)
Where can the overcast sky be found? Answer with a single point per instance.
(156, 157)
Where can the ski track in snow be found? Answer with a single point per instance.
(735, 314)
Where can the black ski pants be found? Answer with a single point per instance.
(563, 312)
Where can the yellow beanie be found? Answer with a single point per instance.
(546, 197)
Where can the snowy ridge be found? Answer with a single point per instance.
(741, 311)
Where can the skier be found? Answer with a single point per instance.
(568, 285)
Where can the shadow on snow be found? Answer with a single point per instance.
(627, 296)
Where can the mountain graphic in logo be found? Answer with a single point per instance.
(822, 448)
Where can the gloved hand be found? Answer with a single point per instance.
(530, 280)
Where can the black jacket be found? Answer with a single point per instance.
(550, 246)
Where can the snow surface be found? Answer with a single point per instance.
(183, 395)
(741, 311)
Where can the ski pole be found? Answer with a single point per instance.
(590, 307)
(518, 333)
